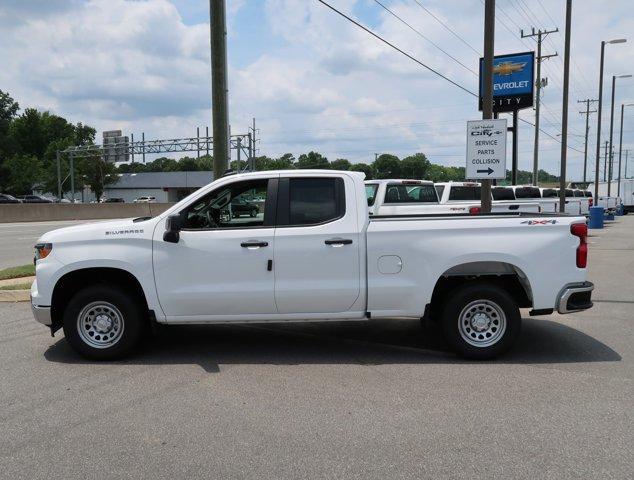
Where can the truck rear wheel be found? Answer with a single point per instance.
(480, 321)
(103, 323)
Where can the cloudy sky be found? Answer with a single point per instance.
(311, 79)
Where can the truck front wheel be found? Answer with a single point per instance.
(480, 321)
(102, 322)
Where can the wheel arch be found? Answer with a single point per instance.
(73, 281)
(503, 274)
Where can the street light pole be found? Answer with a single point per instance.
(611, 149)
(618, 188)
(599, 108)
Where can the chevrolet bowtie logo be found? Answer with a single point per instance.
(508, 68)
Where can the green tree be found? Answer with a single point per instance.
(312, 160)
(24, 172)
(340, 164)
(387, 166)
(365, 168)
(415, 166)
(187, 164)
(96, 173)
(8, 110)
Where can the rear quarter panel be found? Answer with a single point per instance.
(545, 252)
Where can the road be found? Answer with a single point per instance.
(16, 247)
(375, 400)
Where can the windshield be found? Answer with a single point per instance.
(464, 193)
(527, 192)
(502, 193)
(399, 193)
(370, 192)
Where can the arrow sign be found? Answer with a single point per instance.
(486, 149)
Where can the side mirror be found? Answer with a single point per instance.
(370, 201)
(173, 226)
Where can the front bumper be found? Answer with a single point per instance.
(575, 297)
(42, 314)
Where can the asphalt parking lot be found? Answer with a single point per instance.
(374, 400)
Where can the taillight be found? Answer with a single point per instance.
(581, 230)
(590, 202)
(474, 210)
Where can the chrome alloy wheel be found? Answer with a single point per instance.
(100, 324)
(482, 323)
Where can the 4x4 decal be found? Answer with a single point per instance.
(539, 222)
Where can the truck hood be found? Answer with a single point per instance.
(126, 227)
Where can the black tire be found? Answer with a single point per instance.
(486, 315)
(116, 308)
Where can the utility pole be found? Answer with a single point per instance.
(626, 152)
(605, 162)
(564, 110)
(219, 86)
(487, 91)
(540, 83)
(587, 113)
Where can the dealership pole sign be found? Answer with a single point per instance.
(513, 81)
(486, 149)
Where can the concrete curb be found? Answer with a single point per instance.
(15, 295)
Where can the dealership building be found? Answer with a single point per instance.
(164, 186)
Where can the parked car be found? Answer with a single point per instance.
(113, 200)
(35, 199)
(240, 206)
(145, 200)
(455, 193)
(6, 198)
(315, 255)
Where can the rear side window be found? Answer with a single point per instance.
(569, 193)
(527, 192)
(464, 193)
(578, 193)
(502, 193)
(312, 201)
(399, 193)
(549, 193)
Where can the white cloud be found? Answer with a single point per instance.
(317, 81)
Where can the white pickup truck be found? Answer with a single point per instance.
(455, 193)
(311, 253)
(411, 197)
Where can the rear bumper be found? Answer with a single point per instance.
(575, 297)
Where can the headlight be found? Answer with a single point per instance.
(42, 250)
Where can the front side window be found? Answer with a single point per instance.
(578, 193)
(549, 193)
(312, 201)
(237, 205)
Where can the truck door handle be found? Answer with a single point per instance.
(254, 244)
(514, 207)
(338, 242)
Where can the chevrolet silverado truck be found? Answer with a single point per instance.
(455, 193)
(312, 253)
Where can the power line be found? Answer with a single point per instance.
(448, 28)
(350, 19)
(425, 38)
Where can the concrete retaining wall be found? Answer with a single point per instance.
(43, 212)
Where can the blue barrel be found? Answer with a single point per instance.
(596, 217)
(619, 209)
